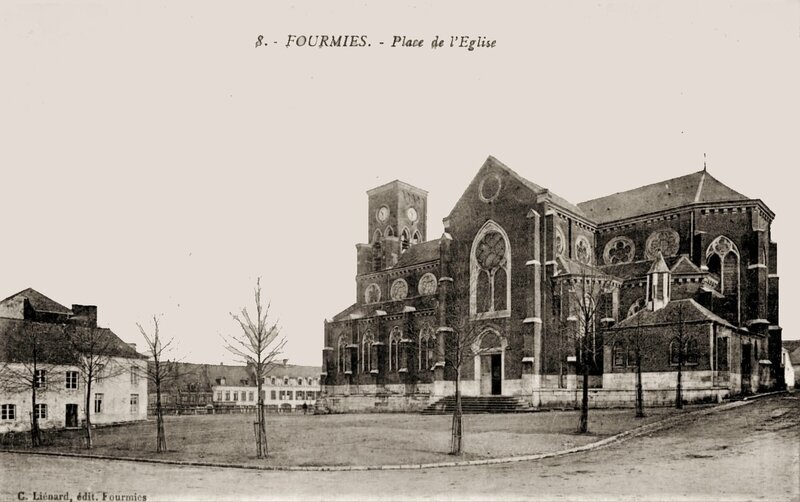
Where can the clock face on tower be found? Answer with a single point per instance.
(383, 213)
(412, 214)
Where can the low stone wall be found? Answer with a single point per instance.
(624, 398)
(375, 402)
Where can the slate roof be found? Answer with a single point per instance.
(38, 301)
(554, 198)
(419, 253)
(205, 376)
(568, 266)
(678, 265)
(670, 194)
(692, 312)
(55, 346)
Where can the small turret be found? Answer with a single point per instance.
(659, 284)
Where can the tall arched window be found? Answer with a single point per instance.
(377, 236)
(722, 258)
(341, 355)
(427, 343)
(417, 238)
(394, 348)
(367, 359)
(490, 272)
(405, 238)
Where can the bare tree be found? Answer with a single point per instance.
(458, 351)
(679, 348)
(623, 341)
(27, 368)
(93, 352)
(585, 294)
(161, 372)
(257, 347)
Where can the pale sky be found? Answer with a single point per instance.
(155, 161)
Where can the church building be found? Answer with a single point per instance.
(525, 292)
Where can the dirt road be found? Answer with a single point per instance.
(750, 453)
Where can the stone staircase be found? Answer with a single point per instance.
(479, 404)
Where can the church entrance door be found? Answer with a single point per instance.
(491, 374)
(497, 378)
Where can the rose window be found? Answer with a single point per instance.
(619, 250)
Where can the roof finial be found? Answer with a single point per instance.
(704, 161)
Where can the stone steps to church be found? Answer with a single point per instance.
(478, 404)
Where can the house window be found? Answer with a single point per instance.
(272, 395)
(40, 379)
(490, 270)
(674, 352)
(273, 380)
(8, 412)
(71, 380)
(41, 411)
(99, 373)
(98, 403)
(235, 396)
(250, 396)
(219, 396)
(227, 395)
(134, 375)
(134, 404)
(300, 395)
(263, 395)
(285, 380)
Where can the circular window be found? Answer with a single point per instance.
(382, 214)
(559, 242)
(427, 284)
(372, 294)
(665, 241)
(489, 188)
(583, 250)
(619, 250)
(399, 290)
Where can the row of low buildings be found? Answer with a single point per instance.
(287, 387)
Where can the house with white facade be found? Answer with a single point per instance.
(37, 361)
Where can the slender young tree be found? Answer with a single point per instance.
(93, 352)
(161, 373)
(28, 371)
(458, 351)
(257, 346)
(678, 348)
(585, 295)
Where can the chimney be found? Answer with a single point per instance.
(84, 315)
(285, 362)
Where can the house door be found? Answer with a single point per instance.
(71, 419)
(746, 368)
(497, 374)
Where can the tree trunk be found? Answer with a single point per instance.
(36, 436)
(161, 435)
(88, 414)
(584, 423)
(263, 447)
(639, 389)
(456, 441)
(678, 388)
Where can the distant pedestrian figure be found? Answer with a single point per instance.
(305, 408)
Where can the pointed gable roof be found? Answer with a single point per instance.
(659, 265)
(492, 162)
(692, 312)
(38, 301)
(670, 194)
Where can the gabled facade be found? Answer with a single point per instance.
(510, 262)
(119, 394)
